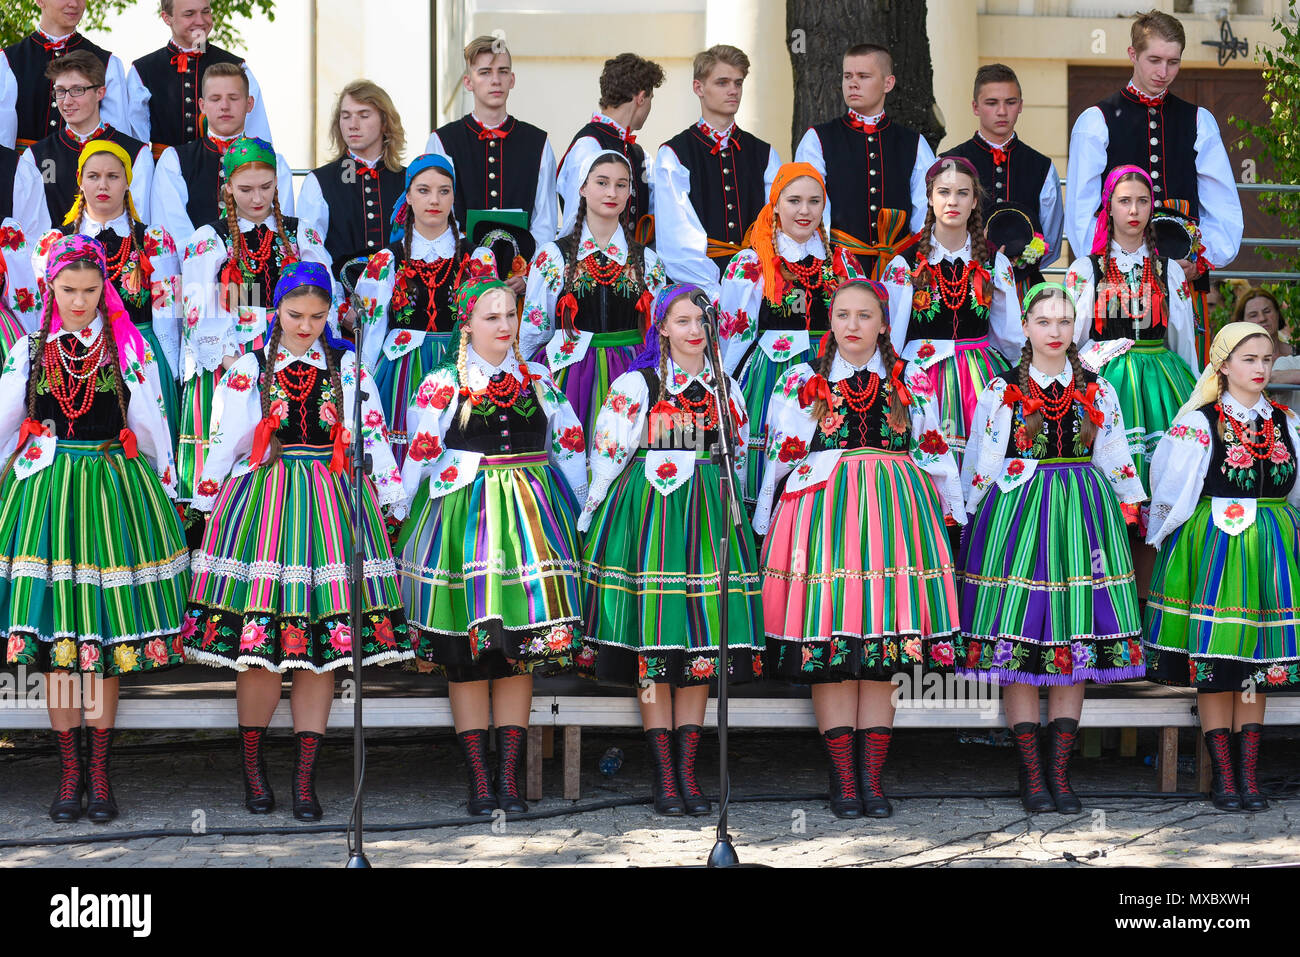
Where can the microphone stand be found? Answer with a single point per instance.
(723, 456)
(356, 590)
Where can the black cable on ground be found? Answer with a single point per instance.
(110, 837)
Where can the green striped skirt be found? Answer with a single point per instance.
(1224, 610)
(652, 587)
(1047, 590)
(399, 379)
(489, 572)
(93, 565)
(192, 440)
(858, 575)
(758, 377)
(271, 580)
(1151, 384)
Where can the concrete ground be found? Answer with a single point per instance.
(953, 808)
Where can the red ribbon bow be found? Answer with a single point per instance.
(339, 457)
(182, 61)
(31, 427)
(862, 125)
(364, 170)
(1014, 395)
(567, 309)
(982, 284)
(54, 46)
(896, 375)
(662, 414)
(494, 134)
(262, 438)
(815, 388)
(999, 156)
(1089, 401)
(219, 145)
(645, 304)
(127, 438)
(1148, 100)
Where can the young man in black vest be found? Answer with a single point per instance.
(874, 166)
(350, 200)
(627, 87)
(77, 79)
(187, 178)
(28, 111)
(164, 88)
(711, 179)
(1176, 142)
(501, 162)
(1012, 172)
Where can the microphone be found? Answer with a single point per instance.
(701, 299)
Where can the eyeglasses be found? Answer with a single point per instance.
(75, 92)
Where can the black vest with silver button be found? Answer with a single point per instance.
(494, 173)
(174, 93)
(866, 172)
(359, 206)
(56, 157)
(38, 115)
(1159, 139)
(726, 187)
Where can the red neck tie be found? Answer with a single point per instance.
(999, 156)
(53, 46)
(860, 124)
(629, 139)
(182, 60)
(219, 145)
(364, 170)
(1148, 100)
(496, 134)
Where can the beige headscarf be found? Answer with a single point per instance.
(1207, 386)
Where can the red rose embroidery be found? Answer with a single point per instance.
(156, 651)
(374, 267)
(449, 474)
(567, 347)
(208, 487)
(933, 443)
(1235, 510)
(33, 453)
(424, 447)
(791, 449)
(925, 351)
(618, 402)
(1016, 467)
(1063, 660)
(571, 439)
(921, 301)
(703, 668)
(25, 301)
(666, 471)
(402, 338)
(442, 397)
(293, 640)
(384, 632)
(239, 382)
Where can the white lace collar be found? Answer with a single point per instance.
(428, 250)
(120, 225)
(679, 381)
(479, 370)
(314, 356)
(792, 251)
(842, 369)
(1262, 409)
(1064, 377)
(944, 253)
(616, 250)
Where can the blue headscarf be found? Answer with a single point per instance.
(296, 276)
(648, 358)
(401, 212)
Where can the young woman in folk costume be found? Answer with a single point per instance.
(20, 294)
(408, 290)
(652, 520)
(1136, 328)
(964, 315)
(1223, 615)
(271, 580)
(591, 292)
(93, 559)
(776, 295)
(142, 261)
(1046, 578)
(229, 275)
(489, 555)
(857, 571)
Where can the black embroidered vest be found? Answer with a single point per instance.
(174, 92)
(866, 172)
(1235, 472)
(493, 430)
(1118, 321)
(102, 421)
(360, 207)
(727, 186)
(38, 115)
(846, 427)
(494, 173)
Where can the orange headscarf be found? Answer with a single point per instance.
(761, 236)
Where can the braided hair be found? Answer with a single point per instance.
(232, 214)
(462, 367)
(270, 351)
(900, 417)
(568, 244)
(1034, 420)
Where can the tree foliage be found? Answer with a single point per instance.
(1280, 141)
(18, 17)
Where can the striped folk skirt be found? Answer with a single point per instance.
(758, 378)
(11, 330)
(1224, 610)
(397, 381)
(586, 382)
(489, 572)
(271, 580)
(957, 382)
(1046, 589)
(652, 585)
(195, 419)
(858, 576)
(93, 565)
(1151, 384)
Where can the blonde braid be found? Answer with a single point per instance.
(462, 373)
(537, 383)
(1033, 421)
